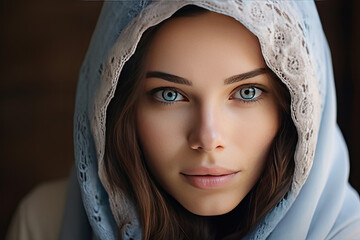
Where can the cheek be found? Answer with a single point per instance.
(255, 131)
(160, 136)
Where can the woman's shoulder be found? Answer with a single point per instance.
(39, 213)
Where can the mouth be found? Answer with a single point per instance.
(209, 178)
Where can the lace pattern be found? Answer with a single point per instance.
(282, 36)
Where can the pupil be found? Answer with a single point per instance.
(169, 95)
(248, 93)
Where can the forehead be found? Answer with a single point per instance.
(210, 42)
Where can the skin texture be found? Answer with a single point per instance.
(206, 127)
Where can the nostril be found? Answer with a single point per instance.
(211, 149)
(219, 148)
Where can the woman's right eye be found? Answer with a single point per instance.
(167, 95)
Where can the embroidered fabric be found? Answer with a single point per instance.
(286, 31)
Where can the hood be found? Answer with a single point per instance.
(294, 48)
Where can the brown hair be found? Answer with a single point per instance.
(161, 216)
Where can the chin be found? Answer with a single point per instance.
(217, 209)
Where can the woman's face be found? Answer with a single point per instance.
(207, 115)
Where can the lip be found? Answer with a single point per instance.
(216, 170)
(209, 178)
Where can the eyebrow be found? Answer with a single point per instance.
(168, 77)
(230, 80)
(246, 75)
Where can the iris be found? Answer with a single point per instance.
(169, 95)
(248, 93)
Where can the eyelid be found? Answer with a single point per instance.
(250, 85)
(260, 87)
(157, 89)
(152, 93)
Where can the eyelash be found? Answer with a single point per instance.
(155, 91)
(249, 86)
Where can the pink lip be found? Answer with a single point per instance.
(209, 178)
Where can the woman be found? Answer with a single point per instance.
(205, 142)
(209, 124)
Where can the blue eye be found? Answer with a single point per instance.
(167, 95)
(248, 93)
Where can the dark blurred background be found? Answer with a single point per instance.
(42, 45)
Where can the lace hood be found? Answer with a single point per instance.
(320, 203)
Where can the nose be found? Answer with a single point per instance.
(207, 130)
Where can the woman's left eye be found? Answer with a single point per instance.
(167, 95)
(247, 94)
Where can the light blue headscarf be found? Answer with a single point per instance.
(320, 205)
